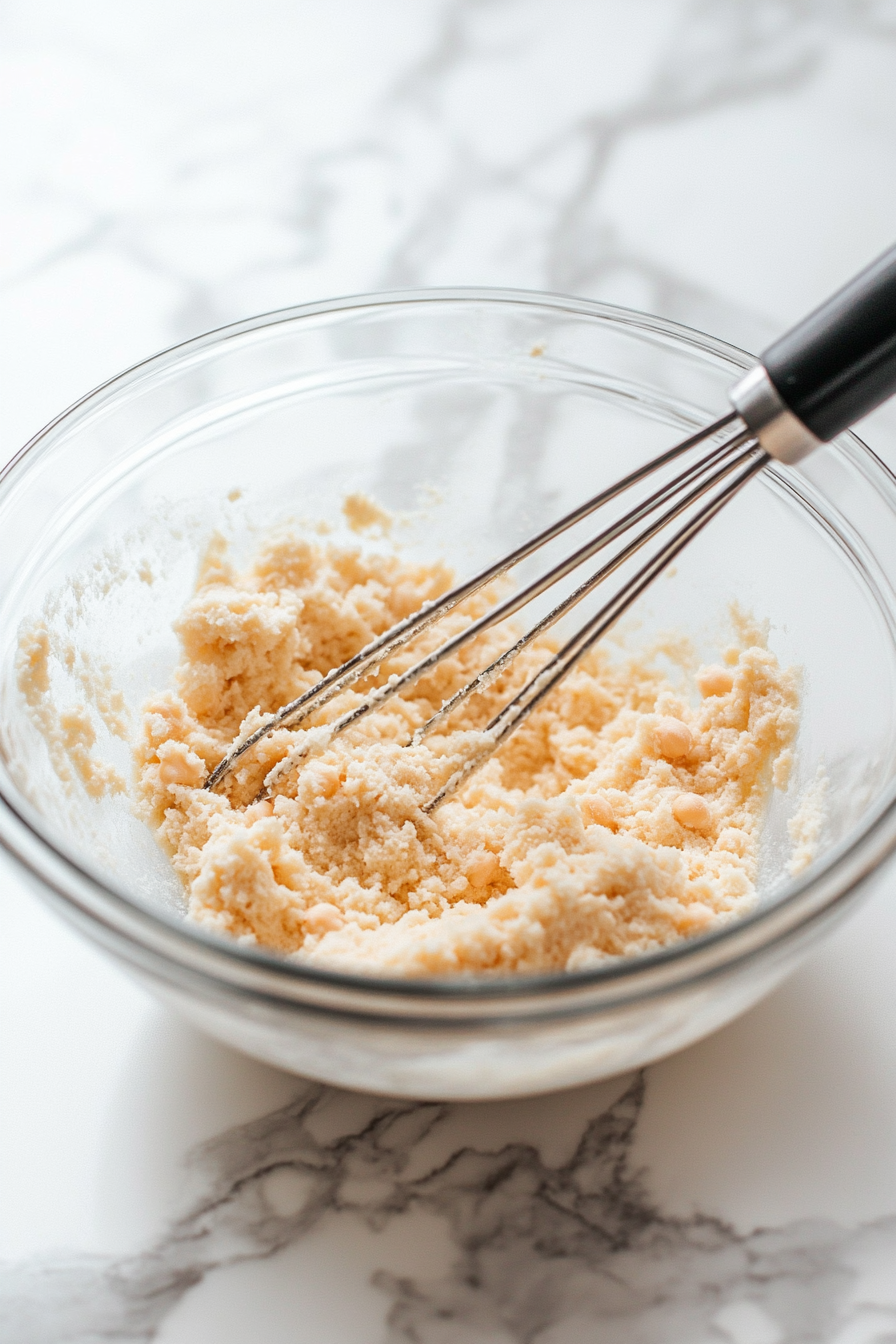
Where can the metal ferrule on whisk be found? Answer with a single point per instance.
(769, 419)
(835, 366)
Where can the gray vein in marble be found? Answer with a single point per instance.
(541, 1253)
(718, 55)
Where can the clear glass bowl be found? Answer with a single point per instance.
(478, 416)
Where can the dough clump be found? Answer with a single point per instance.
(619, 818)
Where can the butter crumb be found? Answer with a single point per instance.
(362, 513)
(597, 811)
(32, 669)
(323, 918)
(673, 738)
(690, 810)
(714, 680)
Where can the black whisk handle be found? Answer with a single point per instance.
(835, 366)
(840, 362)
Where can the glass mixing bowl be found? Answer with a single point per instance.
(477, 416)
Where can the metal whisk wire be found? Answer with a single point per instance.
(541, 685)
(832, 368)
(513, 714)
(721, 458)
(367, 660)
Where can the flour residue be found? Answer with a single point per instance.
(806, 826)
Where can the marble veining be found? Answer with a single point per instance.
(246, 216)
(539, 1253)
(715, 56)
(149, 197)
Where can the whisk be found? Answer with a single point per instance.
(835, 366)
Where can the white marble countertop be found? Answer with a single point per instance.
(170, 167)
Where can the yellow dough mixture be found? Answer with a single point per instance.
(622, 816)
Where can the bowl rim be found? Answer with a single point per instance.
(161, 934)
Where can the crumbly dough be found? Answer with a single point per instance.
(622, 816)
(69, 733)
(363, 513)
